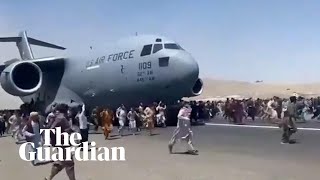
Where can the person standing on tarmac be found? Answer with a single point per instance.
(288, 123)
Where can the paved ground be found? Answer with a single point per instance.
(258, 122)
(226, 153)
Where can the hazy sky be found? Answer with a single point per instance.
(274, 40)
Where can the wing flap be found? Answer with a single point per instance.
(50, 63)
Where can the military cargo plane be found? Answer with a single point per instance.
(138, 69)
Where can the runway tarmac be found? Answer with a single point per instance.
(310, 124)
(225, 153)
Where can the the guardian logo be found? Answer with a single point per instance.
(64, 152)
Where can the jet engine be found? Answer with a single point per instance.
(197, 87)
(21, 78)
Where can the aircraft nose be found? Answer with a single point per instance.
(188, 68)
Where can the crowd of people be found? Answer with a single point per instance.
(270, 110)
(25, 124)
(233, 110)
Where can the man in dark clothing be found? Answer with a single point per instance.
(251, 109)
(60, 120)
(316, 112)
(94, 118)
(201, 110)
(238, 112)
(288, 123)
(227, 110)
(2, 125)
(194, 111)
(279, 107)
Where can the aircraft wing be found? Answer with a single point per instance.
(46, 64)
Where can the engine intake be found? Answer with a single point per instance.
(21, 78)
(197, 87)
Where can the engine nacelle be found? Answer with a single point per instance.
(21, 78)
(197, 88)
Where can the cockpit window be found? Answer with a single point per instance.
(146, 50)
(157, 47)
(172, 46)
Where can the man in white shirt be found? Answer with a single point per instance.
(83, 124)
(161, 118)
(132, 115)
(15, 122)
(50, 118)
(122, 117)
(183, 130)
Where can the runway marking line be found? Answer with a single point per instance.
(255, 126)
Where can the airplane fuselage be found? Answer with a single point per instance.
(139, 69)
(122, 75)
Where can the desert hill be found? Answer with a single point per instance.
(214, 88)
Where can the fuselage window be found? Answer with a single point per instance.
(146, 50)
(157, 47)
(172, 46)
(164, 62)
